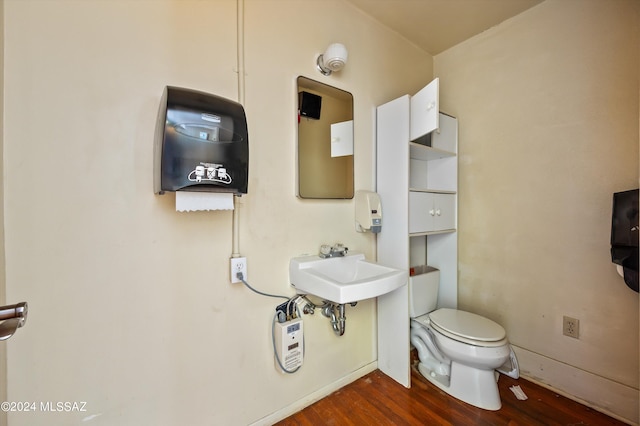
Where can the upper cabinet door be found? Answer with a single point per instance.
(425, 106)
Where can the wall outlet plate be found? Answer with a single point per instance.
(238, 265)
(571, 327)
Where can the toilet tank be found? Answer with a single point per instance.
(423, 291)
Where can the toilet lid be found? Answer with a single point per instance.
(466, 325)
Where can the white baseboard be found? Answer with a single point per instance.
(611, 398)
(298, 405)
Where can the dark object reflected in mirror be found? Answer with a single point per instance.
(325, 141)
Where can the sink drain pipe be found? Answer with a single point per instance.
(337, 322)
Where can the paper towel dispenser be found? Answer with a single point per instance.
(201, 143)
(624, 235)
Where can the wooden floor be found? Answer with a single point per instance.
(376, 399)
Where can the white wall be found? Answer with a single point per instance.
(548, 110)
(131, 309)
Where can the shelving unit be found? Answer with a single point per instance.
(417, 179)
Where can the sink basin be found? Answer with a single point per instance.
(344, 279)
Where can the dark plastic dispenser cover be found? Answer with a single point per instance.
(624, 235)
(201, 143)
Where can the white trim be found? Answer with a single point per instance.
(607, 396)
(298, 405)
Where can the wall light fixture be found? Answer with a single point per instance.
(333, 59)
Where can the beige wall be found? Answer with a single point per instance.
(131, 309)
(548, 110)
(3, 348)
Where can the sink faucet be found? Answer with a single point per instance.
(337, 250)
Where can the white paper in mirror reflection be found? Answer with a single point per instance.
(342, 139)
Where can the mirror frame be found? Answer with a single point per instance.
(319, 173)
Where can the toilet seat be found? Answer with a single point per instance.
(465, 327)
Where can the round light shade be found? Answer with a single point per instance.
(335, 56)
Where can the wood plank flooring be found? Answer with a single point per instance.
(376, 399)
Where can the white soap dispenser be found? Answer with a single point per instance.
(368, 212)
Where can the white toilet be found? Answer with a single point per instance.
(459, 351)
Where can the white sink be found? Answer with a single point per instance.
(344, 279)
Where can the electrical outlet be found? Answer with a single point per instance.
(570, 327)
(238, 264)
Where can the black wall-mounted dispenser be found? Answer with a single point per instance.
(624, 235)
(201, 143)
(309, 105)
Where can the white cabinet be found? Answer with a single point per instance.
(417, 179)
(431, 212)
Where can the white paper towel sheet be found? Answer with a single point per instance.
(202, 201)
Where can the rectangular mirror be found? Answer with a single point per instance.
(325, 141)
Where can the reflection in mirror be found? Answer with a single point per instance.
(325, 141)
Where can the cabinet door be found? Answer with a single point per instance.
(444, 212)
(425, 107)
(421, 212)
(431, 212)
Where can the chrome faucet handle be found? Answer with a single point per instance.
(325, 250)
(339, 248)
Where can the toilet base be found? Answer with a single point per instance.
(471, 385)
